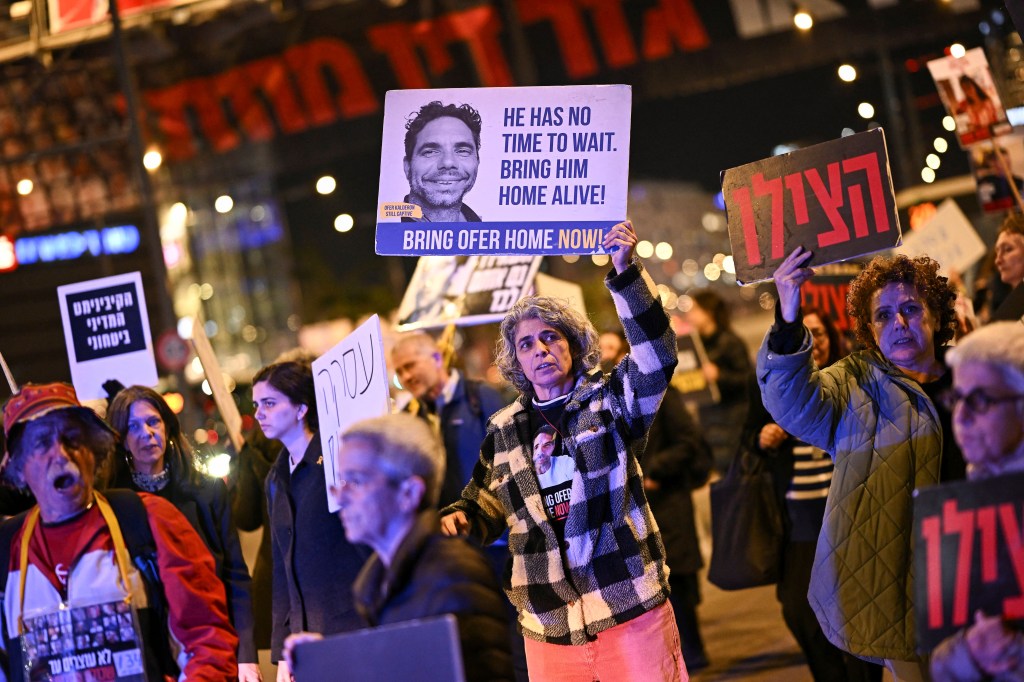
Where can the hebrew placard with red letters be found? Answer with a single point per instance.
(835, 199)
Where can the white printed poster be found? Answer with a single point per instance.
(464, 290)
(351, 383)
(503, 171)
(948, 237)
(106, 330)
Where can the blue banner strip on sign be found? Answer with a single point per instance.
(492, 239)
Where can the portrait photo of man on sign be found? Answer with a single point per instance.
(442, 155)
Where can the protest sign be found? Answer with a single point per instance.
(502, 171)
(221, 394)
(997, 172)
(970, 97)
(826, 292)
(464, 290)
(96, 642)
(834, 199)
(106, 330)
(570, 292)
(948, 237)
(351, 383)
(689, 376)
(968, 554)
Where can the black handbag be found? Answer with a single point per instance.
(746, 526)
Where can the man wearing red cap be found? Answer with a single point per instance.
(66, 601)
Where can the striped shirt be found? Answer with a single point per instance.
(807, 491)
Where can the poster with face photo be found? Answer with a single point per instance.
(502, 171)
(970, 97)
(995, 169)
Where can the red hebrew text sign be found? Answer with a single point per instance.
(968, 555)
(835, 199)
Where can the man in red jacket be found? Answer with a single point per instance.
(69, 562)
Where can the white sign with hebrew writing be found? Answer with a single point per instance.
(351, 382)
(106, 329)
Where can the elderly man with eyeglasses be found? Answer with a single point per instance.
(391, 469)
(987, 400)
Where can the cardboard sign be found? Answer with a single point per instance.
(221, 395)
(827, 290)
(502, 171)
(948, 237)
(993, 176)
(351, 382)
(106, 329)
(464, 290)
(835, 199)
(970, 97)
(689, 376)
(968, 554)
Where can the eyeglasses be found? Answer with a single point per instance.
(977, 401)
(358, 481)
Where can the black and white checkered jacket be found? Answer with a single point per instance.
(611, 567)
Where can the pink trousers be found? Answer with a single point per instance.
(645, 649)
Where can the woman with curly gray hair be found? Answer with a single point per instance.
(878, 413)
(588, 574)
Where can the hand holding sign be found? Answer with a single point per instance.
(789, 277)
(991, 643)
(621, 243)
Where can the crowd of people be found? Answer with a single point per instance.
(559, 529)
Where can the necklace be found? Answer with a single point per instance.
(151, 483)
(543, 416)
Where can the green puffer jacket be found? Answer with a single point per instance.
(886, 439)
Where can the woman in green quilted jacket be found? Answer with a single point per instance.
(878, 413)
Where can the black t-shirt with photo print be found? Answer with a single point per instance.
(553, 467)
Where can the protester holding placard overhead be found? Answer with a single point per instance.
(877, 413)
(1010, 264)
(802, 475)
(158, 459)
(987, 400)
(588, 572)
(314, 565)
(116, 577)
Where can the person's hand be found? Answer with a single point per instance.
(789, 277)
(711, 372)
(622, 238)
(455, 523)
(290, 643)
(249, 672)
(284, 673)
(771, 436)
(992, 645)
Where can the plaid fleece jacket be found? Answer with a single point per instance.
(611, 567)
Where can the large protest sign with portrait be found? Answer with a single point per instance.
(835, 199)
(464, 290)
(351, 382)
(968, 555)
(502, 171)
(106, 329)
(967, 91)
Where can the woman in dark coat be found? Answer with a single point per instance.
(158, 460)
(314, 564)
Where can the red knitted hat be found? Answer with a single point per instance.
(35, 400)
